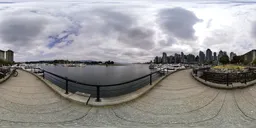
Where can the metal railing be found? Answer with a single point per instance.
(225, 78)
(101, 89)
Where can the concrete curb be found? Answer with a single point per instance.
(70, 96)
(87, 100)
(127, 97)
(223, 86)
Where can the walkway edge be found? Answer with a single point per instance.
(127, 97)
(223, 86)
(71, 96)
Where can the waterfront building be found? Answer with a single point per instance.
(197, 59)
(157, 60)
(164, 58)
(225, 53)
(9, 55)
(220, 54)
(201, 57)
(190, 58)
(182, 57)
(177, 58)
(208, 55)
(2, 55)
(170, 59)
(215, 56)
(232, 54)
(249, 56)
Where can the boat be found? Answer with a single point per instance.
(151, 66)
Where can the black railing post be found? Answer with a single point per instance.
(66, 85)
(227, 79)
(43, 74)
(150, 78)
(245, 75)
(98, 94)
(205, 75)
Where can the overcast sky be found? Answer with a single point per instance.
(124, 31)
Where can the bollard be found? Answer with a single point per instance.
(98, 94)
(150, 79)
(66, 85)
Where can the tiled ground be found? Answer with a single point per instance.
(178, 101)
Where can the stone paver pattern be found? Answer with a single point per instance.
(177, 101)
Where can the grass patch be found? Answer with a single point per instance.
(229, 66)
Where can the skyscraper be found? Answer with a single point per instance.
(208, 55)
(182, 57)
(156, 60)
(190, 58)
(215, 56)
(164, 58)
(177, 58)
(201, 57)
(220, 54)
(232, 54)
(9, 55)
(197, 59)
(2, 55)
(159, 60)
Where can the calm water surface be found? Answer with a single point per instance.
(97, 74)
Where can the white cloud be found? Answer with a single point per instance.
(130, 32)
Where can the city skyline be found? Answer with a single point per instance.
(201, 57)
(125, 31)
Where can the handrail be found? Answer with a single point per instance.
(226, 77)
(98, 86)
(107, 85)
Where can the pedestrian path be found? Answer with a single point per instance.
(178, 101)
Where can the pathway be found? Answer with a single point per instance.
(178, 101)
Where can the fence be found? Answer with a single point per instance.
(225, 78)
(4, 72)
(100, 90)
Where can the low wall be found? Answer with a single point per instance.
(5, 78)
(223, 86)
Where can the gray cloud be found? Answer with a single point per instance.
(253, 33)
(119, 25)
(21, 30)
(135, 54)
(169, 42)
(138, 37)
(114, 21)
(209, 23)
(178, 22)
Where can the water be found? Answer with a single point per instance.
(102, 75)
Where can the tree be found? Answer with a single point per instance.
(237, 59)
(224, 59)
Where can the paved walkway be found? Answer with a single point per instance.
(178, 101)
